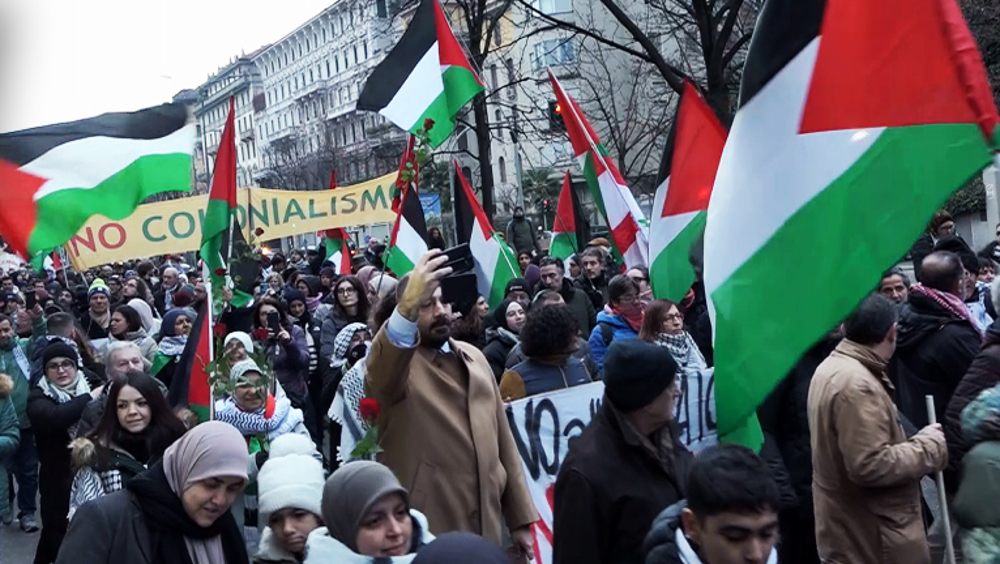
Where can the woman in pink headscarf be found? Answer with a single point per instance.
(177, 512)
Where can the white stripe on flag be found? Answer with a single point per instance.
(665, 229)
(418, 91)
(409, 242)
(768, 171)
(486, 253)
(85, 163)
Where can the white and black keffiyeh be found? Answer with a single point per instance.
(345, 409)
(283, 420)
(343, 342)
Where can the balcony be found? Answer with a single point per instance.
(247, 134)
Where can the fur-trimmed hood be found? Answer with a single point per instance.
(322, 548)
(6, 386)
(83, 452)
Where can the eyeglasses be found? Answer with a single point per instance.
(674, 317)
(629, 299)
(60, 366)
(347, 291)
(639, 278)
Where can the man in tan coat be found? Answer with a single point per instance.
(442, 425)
(866, 473)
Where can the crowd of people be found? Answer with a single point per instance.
(320, 362)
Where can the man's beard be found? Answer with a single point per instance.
(435, 335)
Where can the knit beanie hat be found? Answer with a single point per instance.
(292, 295)
(59, 349)
(242, 338)
(292, 480)
(517, 284)
(293, 443)
(636, 372)
(241, 368)
(98, 287)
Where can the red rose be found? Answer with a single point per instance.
(220, 330)
(428, 124)
(261, 335)
(369, 409)
(220, 271)
(259, 231)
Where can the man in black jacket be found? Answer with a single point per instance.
(626, 466)
(937, 339)
(553, 278)
(594, 280)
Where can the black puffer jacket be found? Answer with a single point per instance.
(498, 345)
(784, 418)
(660, 546)
(933, 352)
(984, 373)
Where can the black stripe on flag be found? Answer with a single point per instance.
(784, 28)
(465, 219)
(22, 147)
(389, 76)
(413, 212)
(579, 220)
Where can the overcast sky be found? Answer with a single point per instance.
(62, 60)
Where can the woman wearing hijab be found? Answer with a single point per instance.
(134, 430)
(55, 406)
(312, 289)
(368, 519)
(500, 339)
(150, 323)
(177, 512)
(174, 335)
(380, 286)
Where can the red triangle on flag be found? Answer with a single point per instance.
(565, 221)
(698, 142)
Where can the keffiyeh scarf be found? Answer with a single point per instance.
(173, 346)
(64, 394)
(283, 419)
(950, 302)
(343, 342)
(345, 409)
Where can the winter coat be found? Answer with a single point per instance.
(21, 381)
(582, 353)
(331, 328)
(975, 504)
(866, 473)
(698, 323)
(291, 362)
(667, 544)
(321, 548)
(445, 434)
(521, 235)
(579, 305)
(596, 290)
(923, 246)
(532, 377)
(619, 330)
(983, 373)
(108, 530)
(934, 349)
(91, 328)
(94, 479)
(147, 345)
(10, 433)
(784, 419)
(499, 343)
(611, 485)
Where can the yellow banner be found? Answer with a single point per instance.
(175, 226)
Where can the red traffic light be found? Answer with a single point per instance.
(545, 202)
(558, 108)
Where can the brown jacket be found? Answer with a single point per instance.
(865, 472)
(445, 435)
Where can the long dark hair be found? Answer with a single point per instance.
(364, 306)
(164, 427)
(282, 313)
(656, 314)
(131, 317)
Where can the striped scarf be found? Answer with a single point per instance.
(950, 302)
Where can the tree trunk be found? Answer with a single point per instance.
(484, 140)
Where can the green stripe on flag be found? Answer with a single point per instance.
(563, 245)
(460, 86)
(397, 261)
(63, 213)
(875, 208)
(671, 274)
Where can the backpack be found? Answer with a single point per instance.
(607, 332)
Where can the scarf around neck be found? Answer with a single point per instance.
(63, 394)
(950, 302)
(173, 346)
(19, 357)
(312, 304)
(679, 346)
(275, 418)
(633, 316)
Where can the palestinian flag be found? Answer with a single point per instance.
(857, 120)
(681, 203)
(408, 239)
(426, 76)
(194, 392)
(496, 263)
(338, 251)
(569, 230)
(406, 164)
(626, 222)
(56, 177)
(221, 236)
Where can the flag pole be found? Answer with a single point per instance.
(942, 500)
(211, 336)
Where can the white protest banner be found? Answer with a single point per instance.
(10, 262)
(542, 426)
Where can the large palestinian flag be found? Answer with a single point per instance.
(626, 223)
(857, 120)
(190, 387)
(681, 203)
(426, 76)
(408, 238)
(223, 246)
(496, 263)
(55, 177)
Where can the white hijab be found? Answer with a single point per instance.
(149, 322)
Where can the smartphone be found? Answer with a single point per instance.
(459, 259)
(460, 290)
(29, 299)
(273, 322)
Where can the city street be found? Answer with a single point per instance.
(16, 547)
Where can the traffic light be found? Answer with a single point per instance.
(546, 207)
(556, 123)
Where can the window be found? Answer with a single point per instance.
(497, 34)
(307, 47)
(311, 79)
(552, 52)
(494, 81)
(328, 68)
(463, 141)
(336, 62)
(502, 165)
(324, 35)
(364, 48)
(467, 172)
(511, 92)
(550, 7)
